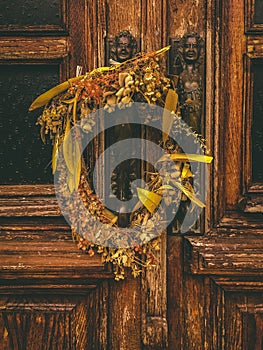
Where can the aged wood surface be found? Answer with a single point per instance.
(96, 33)
(234, 48)
(153, 26)
(28, 200)
(124, 16)
(124, 321)
(30, 48)
(175, 292)
(225, 255)
(193, 312)
(237, 221)
(97, 335)
(48, 322)
(46, 258)
(77, 36)
(255, 46)
(154, 302)
(185, 16)
(26, 190)
(210, 110)
(34, 206)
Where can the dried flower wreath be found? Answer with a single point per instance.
(140, 79)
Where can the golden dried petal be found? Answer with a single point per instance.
(122, 77)
(149, 199)
(54, 156)
(187, 157)
(113, 218)
(111, 100)
(186, 172)
(120, 92)
(169, 107)
(70, 182)
(48, 95)
(189, 194)
(77, 175)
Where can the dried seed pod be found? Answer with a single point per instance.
(128, 79)
(122, 77)
(127, 91)
(108, 93)
(120, 92)
(111, 100)
(126, 99)
(130, 83)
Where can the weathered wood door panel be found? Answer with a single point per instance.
(206, 292)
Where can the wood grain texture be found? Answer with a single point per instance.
(77, 36)
(214, 283)
(226, 255)
(154, 302)
(233, 320)
(153, 26)
(30, 48)
(252, 199)
(193, 314)
(234, 48)
(98, 320)
(124, 321)
(252, 324)
(212, 73)
(28, 200)
(186, 16)
(96, 33)
(46, 322)
(255, 46)
(45, 258)
(213, 316)
(123, 15)
(24, 206)
(175, 292)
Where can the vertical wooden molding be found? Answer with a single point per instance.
(96, 33)
(209, 98)
(98, 317)
(124, 323)
(154, 302)
(153, 25)
(234, 45)
(175, 292)
(78, 37)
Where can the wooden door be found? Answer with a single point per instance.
(206, 292)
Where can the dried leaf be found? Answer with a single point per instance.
(42, 134)
(163, 50)
(71, 100)
(72, 155)
(70, 182)
(186, 172)
(68, 148)
(54, 156)
(113, 218)
(166, 187)
(149, 199)
(183, 157)
(48, 95)
(77, 175)
(169, 107)
(189, 194)
(74, 114)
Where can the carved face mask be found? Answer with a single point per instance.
(191, 49)
(124, 49)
